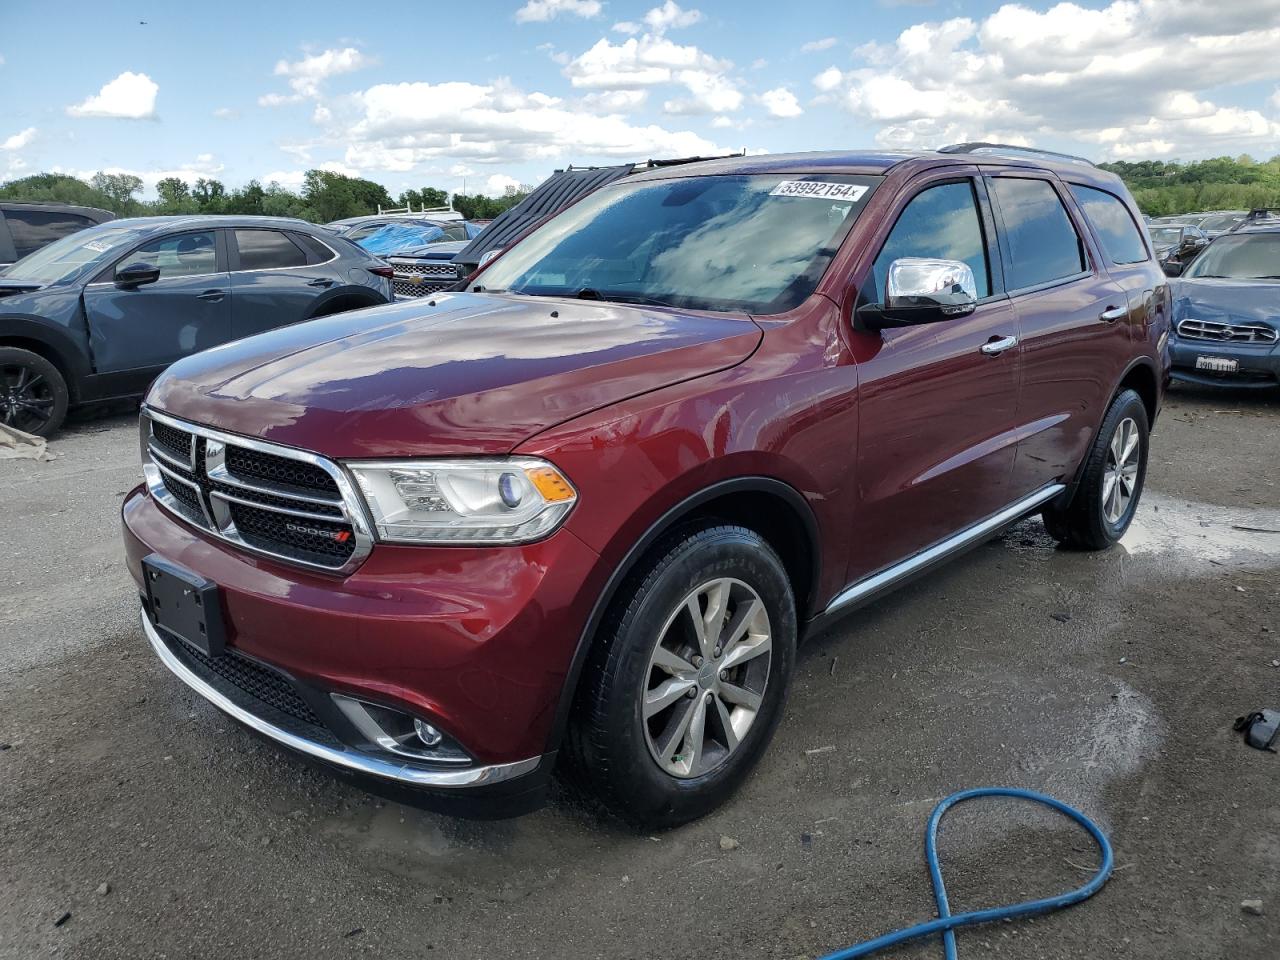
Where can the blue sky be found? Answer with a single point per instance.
(498, 92)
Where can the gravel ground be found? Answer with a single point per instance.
(1109, 680)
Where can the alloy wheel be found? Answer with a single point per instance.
(1120, 476)
(26, 398)
(706, 678)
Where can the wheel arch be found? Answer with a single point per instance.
(340, 301)
(26, 335)
(773, 508)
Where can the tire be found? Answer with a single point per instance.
(33, 394)
(621, 752)
(1106, 499)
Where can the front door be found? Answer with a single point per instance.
(188, 309)
(937, 412)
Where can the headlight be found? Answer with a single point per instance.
(511, 500)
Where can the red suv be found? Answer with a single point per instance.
(577, 515)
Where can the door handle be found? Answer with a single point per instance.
(321, 282)
(998, 345)
(213, 295)
(1112, 314)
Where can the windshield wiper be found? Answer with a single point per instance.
(589, 293)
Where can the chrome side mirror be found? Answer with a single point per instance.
(942, 287)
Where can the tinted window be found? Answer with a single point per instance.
(33, 229)
(756, 243)
(1121, 241)
(267, 250)
(317, 252)
(940, 222)
(183, 255)
(1043, 245)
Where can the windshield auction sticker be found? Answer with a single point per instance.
(819, 190)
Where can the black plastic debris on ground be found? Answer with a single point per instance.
(1261, 729)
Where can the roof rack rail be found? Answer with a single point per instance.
(677, 161)
(1255, 216)
(408, 210)
(977, 145)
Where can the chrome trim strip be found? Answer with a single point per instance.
(272, 508)
(219, 473)
(351, 504)
(152, 473)
(889, 576)
(373, 766)
(173, 461)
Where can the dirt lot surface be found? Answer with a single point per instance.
(1109, 680)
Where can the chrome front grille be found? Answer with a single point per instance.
(417, 278)
(1227, 332)
(285, 503)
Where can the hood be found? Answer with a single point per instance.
(473, 374)
(1226, 300)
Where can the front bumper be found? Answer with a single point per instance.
(475, 641)
(1259, 364)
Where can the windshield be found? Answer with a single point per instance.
(1165, 236)
(1221, 222)
(757, 244)
(1247, 256)
(65, 256)
(398, 236)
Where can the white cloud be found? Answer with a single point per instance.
(130, 96)
(306, 76)
(671, 16)
(651, 61)
(615, 101)
(780, 102)
(1071, 75)
(627, 26)
(19, 139)
(226, 113)
(204, 165)
(540, 11)
(497, 184)
(292, 179)
(814, 46)
(406, 125)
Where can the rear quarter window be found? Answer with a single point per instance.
(1121, 240)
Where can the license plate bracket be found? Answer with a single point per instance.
(1218, 364)
(184, 604)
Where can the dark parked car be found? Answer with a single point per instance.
(1226, 311)
(427, 269)
(1214, 225)
(26, 227)
(1176, 246)
(98, 314)
(579, 514)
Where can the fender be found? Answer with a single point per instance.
(365, 296)
(746, 484)
(68, 354)
(1063, 500)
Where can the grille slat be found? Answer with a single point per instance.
(1216, 332)
(290, 507)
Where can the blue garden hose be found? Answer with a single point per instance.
(947, 924)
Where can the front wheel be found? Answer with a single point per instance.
(1111, 483)
(33, 395)
(688, 678)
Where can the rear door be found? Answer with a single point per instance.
(272, 284)
(1073, 316)
(936, 414)
(187, 310)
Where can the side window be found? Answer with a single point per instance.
(267, 250)
(33, 229)
(455, 231)
(1043, 245)
(317, 252)
(940, 222)
(1121, 241)
(183, 255)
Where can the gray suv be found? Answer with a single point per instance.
(26, 227)
(97, 315)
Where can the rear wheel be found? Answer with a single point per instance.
(688, 678)
(33, 395)
(1111, 484)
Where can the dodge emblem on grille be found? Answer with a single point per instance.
(339, 536)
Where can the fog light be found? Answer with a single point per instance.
(428, 734)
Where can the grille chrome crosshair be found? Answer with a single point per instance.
(264, 498)
(1216, 332)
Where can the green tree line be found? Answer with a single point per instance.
(1220, 183)
(324, 196)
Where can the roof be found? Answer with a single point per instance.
(96, 214)
(213, 220)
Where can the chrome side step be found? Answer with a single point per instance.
(890, 576)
